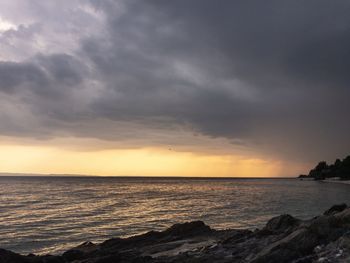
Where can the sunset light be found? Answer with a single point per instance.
(131, 162)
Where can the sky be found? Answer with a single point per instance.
(173, 88)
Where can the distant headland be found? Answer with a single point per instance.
(339, 170)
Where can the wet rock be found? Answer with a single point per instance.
(175, 232)
(49, 259)
(280, 224)
(188, 229)
(79, 252)
(238, 236)
(337, 251)
(10, 257)
(73, 254)
(107, 259)
(296, 245)
(335, 209)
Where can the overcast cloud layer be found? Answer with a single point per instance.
(270, 75)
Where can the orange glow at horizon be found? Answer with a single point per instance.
(131, 162)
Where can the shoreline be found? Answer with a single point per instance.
(326, 180)
(336, 181)
(283, 239)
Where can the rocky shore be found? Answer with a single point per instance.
(325, 238)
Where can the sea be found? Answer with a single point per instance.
(52, 214)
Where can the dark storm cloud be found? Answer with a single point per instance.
(44, 75)
(291, 38)
(271, 73)
(292, 55)
(37, 96)
(14, 74)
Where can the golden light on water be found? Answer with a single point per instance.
(131, 162)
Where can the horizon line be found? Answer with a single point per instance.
(9, 174)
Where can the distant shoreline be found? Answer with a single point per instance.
(326, 181)
(336, 181)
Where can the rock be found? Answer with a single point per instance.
(175, 232)
(335, 209)
(108, 259)
(342, 218)
(280, 224)
(49, 259)
(10, 257)
(80, 251)
(73, 254)
(297, 244)
(238, 236)
(188, 229)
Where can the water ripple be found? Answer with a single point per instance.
(50, 215)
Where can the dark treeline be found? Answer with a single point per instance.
(340, 168)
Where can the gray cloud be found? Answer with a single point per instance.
(14, 74)
(271, 74)
(46, 76)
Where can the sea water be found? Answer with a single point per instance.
(52, 214)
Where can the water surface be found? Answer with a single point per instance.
(51, 214)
